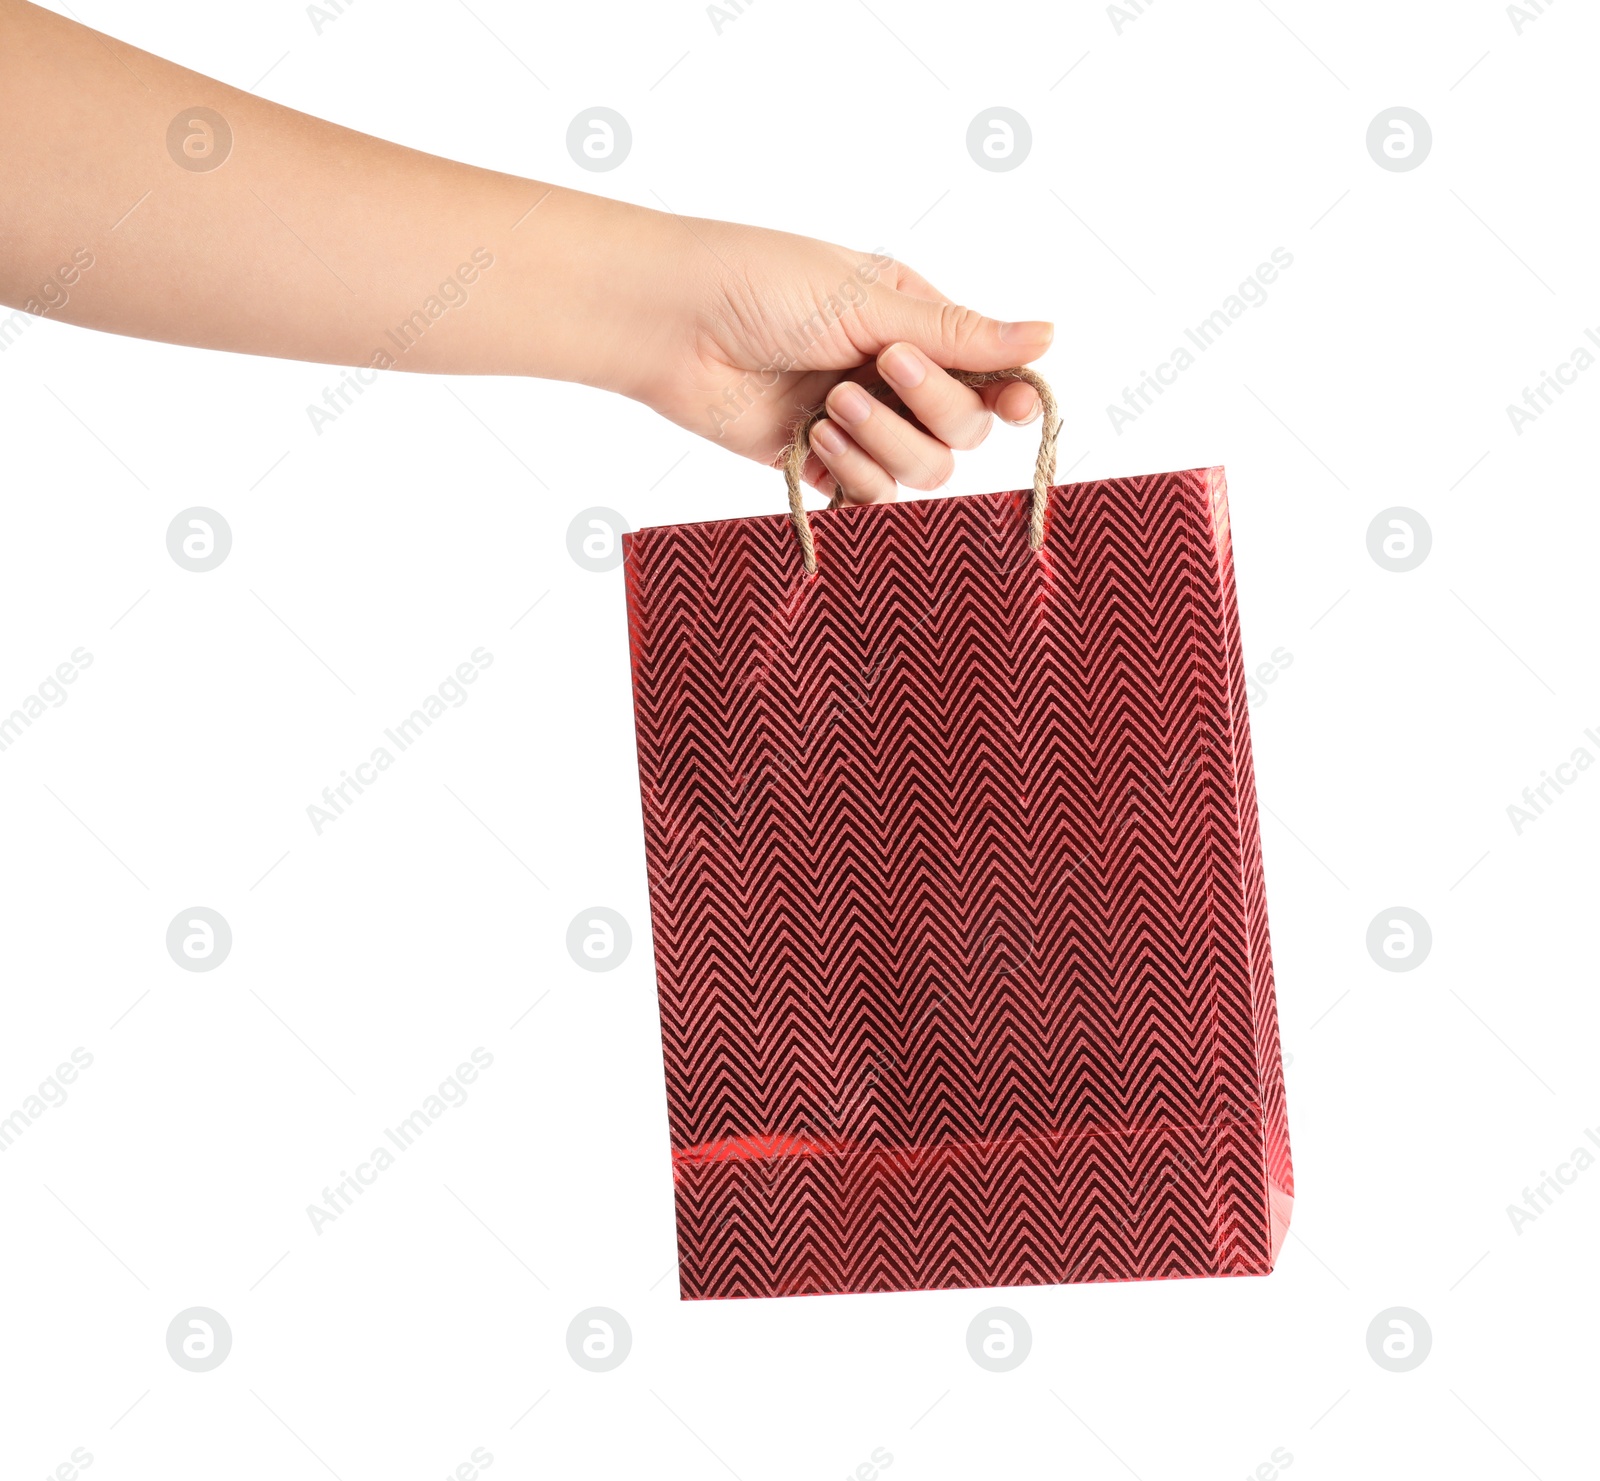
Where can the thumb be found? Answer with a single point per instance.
(954, 337)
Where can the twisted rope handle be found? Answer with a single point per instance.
(1044, 468)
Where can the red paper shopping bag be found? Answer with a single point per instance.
(955, 879)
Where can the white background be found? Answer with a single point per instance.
(1167, 162)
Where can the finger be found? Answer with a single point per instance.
(860, 480)
(954, 337)
(1012, 401)
(815, 472)
(906, 453)
(955, 413)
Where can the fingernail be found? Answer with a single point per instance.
(849, 403)
(1027, 331)
(902, 366)
(828, 437)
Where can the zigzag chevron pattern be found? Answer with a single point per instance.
(955, 879)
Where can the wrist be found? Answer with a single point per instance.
(599, 286)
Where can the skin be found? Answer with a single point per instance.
(308, 241)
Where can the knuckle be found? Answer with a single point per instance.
(878, 488)
(855, 483)
(933, 472)
(973, 431)
(958, 326)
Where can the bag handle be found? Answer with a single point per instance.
(1044, 468)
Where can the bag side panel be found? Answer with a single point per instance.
(1269, 1052)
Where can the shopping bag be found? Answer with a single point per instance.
(956, 892)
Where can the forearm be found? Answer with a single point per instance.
(307, 241)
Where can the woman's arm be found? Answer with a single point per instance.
(216, 219)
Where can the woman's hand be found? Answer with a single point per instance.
(754, 327)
